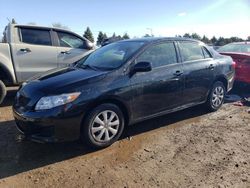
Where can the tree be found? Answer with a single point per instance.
(100, 38)
(248, 38)
(205, 39)
(126, 36)
(105, 36)
(114, 35)
(13, 21)
(220, 42)
(196, 36)
(147, 35)
(59, 25)
(89, 35)
(187, 35)
(213, 40)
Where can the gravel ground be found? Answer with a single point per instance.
(190, 148)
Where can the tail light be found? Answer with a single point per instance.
(233, 64)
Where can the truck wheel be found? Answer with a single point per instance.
(102, 126)
(216, 96)
(2, 91)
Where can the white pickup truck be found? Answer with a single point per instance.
(28, 50)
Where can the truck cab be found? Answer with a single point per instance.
(27, 50)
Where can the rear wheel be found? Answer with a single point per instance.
(103, 126)
(216, 96)
(2, 91)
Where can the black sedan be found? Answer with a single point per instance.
(121, 84)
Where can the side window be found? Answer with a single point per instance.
(206, 53)
(71, 41)
(35, 36)
(190, 51)
(159, 54)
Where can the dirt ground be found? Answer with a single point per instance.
(190, 148)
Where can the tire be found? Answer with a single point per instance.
(98, 134)
(2, 91)
(216, 96)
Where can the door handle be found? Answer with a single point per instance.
(25, 50)
(211, 66)
(178, 73)
(65, 52)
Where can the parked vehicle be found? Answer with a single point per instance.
(27, 50)
(120, 84)
(240, 52)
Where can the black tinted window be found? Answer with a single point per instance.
(35, 36)
(159, 54)
(111, 56)
(191, 51)
(71, 41)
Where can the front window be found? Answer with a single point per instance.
(70, 41)
(242, 48)
(111, 56)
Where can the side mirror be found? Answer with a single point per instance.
(89, 45)
(141, 67)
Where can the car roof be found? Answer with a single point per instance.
(41, 27)
(157, 39)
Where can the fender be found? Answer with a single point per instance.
(7, 66)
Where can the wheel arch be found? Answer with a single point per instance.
(112, 100)
(5, 75)
(222, 79)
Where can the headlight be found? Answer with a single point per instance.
(49, 102)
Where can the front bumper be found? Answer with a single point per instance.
(54, 125)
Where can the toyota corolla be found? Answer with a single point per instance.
(121, 84)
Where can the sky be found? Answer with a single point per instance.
(224, 18)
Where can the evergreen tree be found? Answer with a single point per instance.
(147, 35)
(196, 36)
(213, 40)
(88, 35)
(114, 35)
(187, 35)
(126, 36)
(100, 38)
(205, 39)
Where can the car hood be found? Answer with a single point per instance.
(61, 80)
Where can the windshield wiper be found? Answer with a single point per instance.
(87, 66)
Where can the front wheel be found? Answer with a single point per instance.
(2, 91)
(216, 96)
(103, 126)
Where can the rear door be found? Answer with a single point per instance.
(34, 53)
(199, 71)
(161, 88)
(71, 48)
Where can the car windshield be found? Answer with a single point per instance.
(243, 48)
(111, 56)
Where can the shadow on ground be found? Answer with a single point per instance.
(17, 157)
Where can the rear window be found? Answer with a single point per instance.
(191, 51)
(35, 36)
